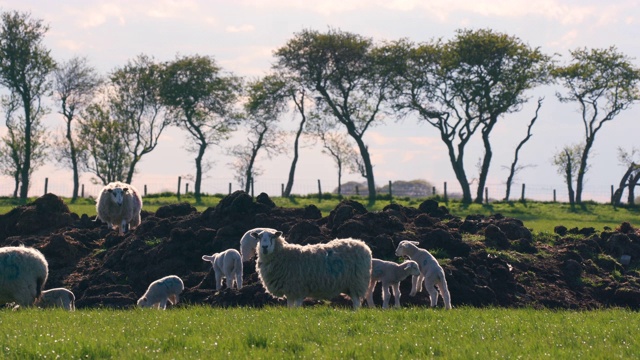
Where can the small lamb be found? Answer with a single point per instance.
(430, 271)
(390, 274)
(160, 291)
(226, 264)
(58, 297)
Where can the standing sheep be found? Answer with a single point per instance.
(162, 290)
(226, 264)
(390, 274)
(59, 297)
(430, 271)
(320, 271)
(119, 205)
(249, 244)
(23, 272)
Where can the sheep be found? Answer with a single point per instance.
(160, 291)
(430, 271)
(390, 274)
(60, 297)
(249, 244)
(320, 271)
(226, 264)
(23, 273)
(119, 205)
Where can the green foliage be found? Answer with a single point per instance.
(279, 332)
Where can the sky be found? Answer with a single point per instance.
(242, 35)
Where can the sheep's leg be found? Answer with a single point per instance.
(419, 282)
(163, 303)
(444, 292)
(386, 295)
(415, 282)
(356, 301)
(294, 302)
(218, 280)
(239, 281)
(396, 293)
(369, 294)
(429, 284)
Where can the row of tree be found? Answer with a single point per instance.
(337, 84)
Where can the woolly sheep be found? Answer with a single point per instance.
(119, 205)
(226, 264)
(60, 297)
(430, 271)
(23, 273)
(162, 290)
(320, 271)
(390, 274)
(249, 244)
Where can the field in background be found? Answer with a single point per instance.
(538, 216)
(321, 332)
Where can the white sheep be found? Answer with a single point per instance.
(162, 290)
(119, 204)
(59, 297)
(390, 274)
(430, 271)
(320, 271)
(226, 264)
(249, 244)
(23, 273)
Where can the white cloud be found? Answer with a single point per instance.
(240, 29)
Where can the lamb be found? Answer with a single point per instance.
(390, 274)
(160, 291)
(60, 297)
(320, 271)
(23, 273)
(430, 271)
(226, 264)
(119, 205)
(249, 244)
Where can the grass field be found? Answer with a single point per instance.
(322, 332)
(538, 216)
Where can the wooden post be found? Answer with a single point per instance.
(186, 188)
(554, 195)
(82, 192)
(46, 184)
(357, 190)
(612, 192)
(522, 197)
(251, 179)
(319, 191)
(390, 193)
(445, 191)
(179, 182)
(433, 191)
(486, 194)
(282, 190)
(145, 189)
(229, 188)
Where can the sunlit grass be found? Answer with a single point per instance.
(320, 333)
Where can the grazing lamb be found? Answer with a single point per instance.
(23, 272)
(249, 244)
(162, 290)
(320, 271)
(390, 274)
(59, 297)
(119, 205)
(430, 271)
(226, 264)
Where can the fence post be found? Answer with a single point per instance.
(522, 197)
(486, 194)
(319, 191)
(251, 179)
(229, 188)
(433, 191)
(357, 190)
(390, 193)
(554, 195)
(179, 184)
(145, 189)
(445, 191)
(46, 184)
(282, 190)
(612, 194)
(82, 193)
(186, 188)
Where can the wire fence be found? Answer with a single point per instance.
(274, 187)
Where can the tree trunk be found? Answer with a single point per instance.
(457, 165)
(617, 195)
(514, 164)
(198, 182)
(569, 180)
(294, 162)
(26, 165)
(486, 162)
(633, 181)
(583, 169)
(74, 163)
(368, 168)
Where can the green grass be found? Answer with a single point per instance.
(538, 216)
(197, 332)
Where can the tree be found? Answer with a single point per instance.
(567, 161)
(349, 77)
(630, 178)
(341, 151)
(135, 100)
(603, 82)
(104, 140)
(75, 85)
(200, 100)
(25, 65)
(262, 116)
(466, 85)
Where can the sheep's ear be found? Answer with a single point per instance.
(414, 242)
(255, 234)
(125, 189)
(278, 234)
(110, 190)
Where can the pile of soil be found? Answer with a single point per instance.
(488, 261)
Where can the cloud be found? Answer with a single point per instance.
(240, 29)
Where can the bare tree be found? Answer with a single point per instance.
(75, 85)
(630, 178)
(567, 161)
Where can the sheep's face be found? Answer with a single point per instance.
(412, 268)
(268, 241)
(404, 248)
(117, 194)
(143, 301)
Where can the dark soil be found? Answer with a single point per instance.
(499, 265)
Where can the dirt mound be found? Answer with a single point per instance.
(488, 260)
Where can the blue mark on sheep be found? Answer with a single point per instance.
(10, 269)
(335, 265)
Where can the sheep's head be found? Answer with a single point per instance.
(143, 301)
(267, 241)
(117, 194)
(406, 247)
(411, 268)
(211, 258)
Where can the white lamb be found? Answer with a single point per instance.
(320, 271)
(249, 244)
(226, 264)
(390, 274)
(23, 273)
(430, 271)
(162, 290)
(119, 205)
(57, 297)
